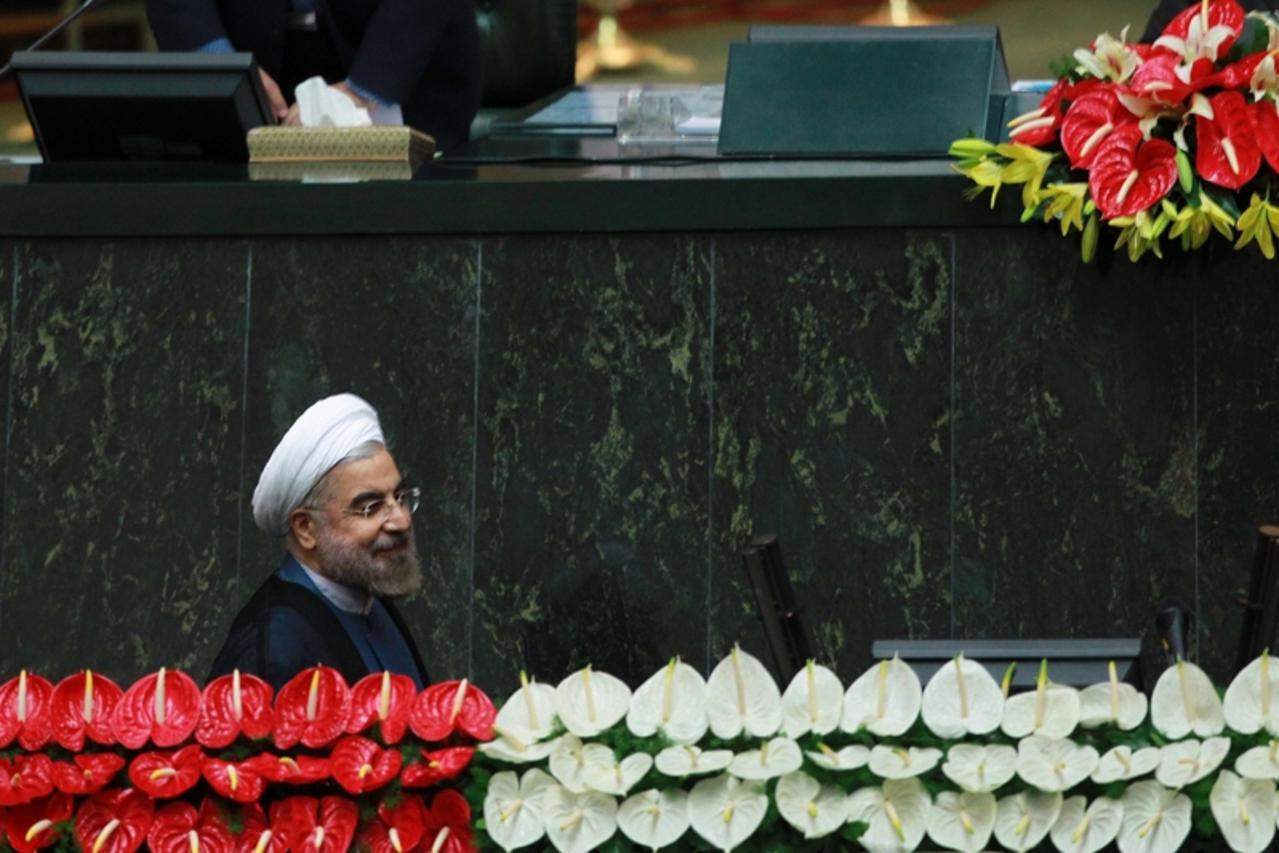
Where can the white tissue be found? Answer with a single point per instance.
(320, 105)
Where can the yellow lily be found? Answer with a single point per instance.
(1259, 223)
(1026, 165)
(1141, 233)
(1194, 224)
(1066, 204)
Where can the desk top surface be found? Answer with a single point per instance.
(505, 185)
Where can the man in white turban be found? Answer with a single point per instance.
(332, 492)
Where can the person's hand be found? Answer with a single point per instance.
(293, 118)
(274, 97)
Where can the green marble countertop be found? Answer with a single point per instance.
(496, 186)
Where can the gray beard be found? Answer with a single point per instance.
(355, 566)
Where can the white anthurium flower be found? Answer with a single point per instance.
(896, 814)
(885, 700)
(1156, 819)
(1122, 764)
(1245, 811)
(980, 769)
(1050, 710)
(1109, 58)
(591, 702)
(962, 699)
(517, 747)
(1085, 830)
(513, 808)
(1188, 761)
(616, 778)
(814, 809)
(687, 760)
(568, 761)
(1252, 699)
(1023, 820)
(672, 701)
(899, 762)
(530, 711)
(725, 811)
(774, 758)
(654, 819)
(1185, 702)
(962, 821)
(1260, 762)
(813, 702)
(741, 696)
(1054, 764)
(577, 823)
(1112, 702)
(849, 758)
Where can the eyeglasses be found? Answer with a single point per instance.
(381, 508)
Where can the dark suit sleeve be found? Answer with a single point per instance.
(290, 645)
(398, 43)
(184, 24)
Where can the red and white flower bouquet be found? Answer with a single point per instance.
(1176, 139)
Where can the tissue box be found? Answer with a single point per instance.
(377, 144)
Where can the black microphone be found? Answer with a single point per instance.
(1172, 624)
(53, 33)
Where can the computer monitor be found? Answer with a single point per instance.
(1076, 663)
(144, 107)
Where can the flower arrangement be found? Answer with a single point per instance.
(322, 767)
(1177, 139)
(733, 762)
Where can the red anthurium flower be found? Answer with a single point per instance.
(312, 708)
(240, 782)
(1188, 25)
(24, 711)
(162, 707)
(1129, 175)
(256, 836)
(234, 704)
(82, 704)
(384, 698)
(1228, 155)
(450, 706)
(396, 829)
(114, 821)
(448, 824)
(34, 825)
(1265, 117)
(1239, 74)
(88, 775)
(437, 766)
(25, 778)
(360, 765)
(300, 770)
(1090, 119)
(308, 826)
(179, 828)
(1161, 78)
(1039, 126)
(167, 774)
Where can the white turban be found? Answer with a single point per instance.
(322, 437)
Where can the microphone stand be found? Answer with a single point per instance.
(53, 33)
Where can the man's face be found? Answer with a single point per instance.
(377, 553)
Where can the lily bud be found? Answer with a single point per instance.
(971, 148)
(1088, 246)
(1185, 173)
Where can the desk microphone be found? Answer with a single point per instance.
(53, 33)
(1172, 624)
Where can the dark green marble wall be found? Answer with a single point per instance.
(955, 434)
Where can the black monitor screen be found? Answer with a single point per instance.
(93, 107)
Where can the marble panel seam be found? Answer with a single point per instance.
(1194, 439)
(475, 459)
(951, 406)
(8, 423)
(244, 413)
(710, 447)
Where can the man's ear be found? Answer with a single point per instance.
(303, 527)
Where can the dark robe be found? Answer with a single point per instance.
(287, 627)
